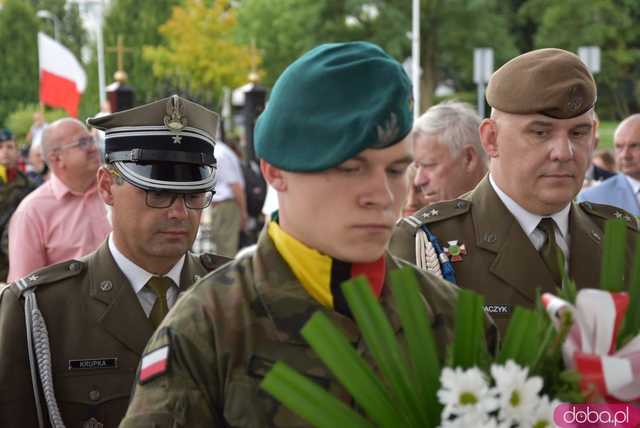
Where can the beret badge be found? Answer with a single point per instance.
(388, 133)
(575, 99)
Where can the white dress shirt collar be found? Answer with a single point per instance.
(529, 221)
(137, 276)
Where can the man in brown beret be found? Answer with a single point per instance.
(504, 238)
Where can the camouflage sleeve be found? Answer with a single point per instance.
(177, 382)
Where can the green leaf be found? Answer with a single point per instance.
(309, 400)
(523, 339)
(631, 325)
(469, 339)
(351, 370)
(613, 256)
(420, 340)
(382, 342)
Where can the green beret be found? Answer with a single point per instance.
(332, 103)
(552, 82)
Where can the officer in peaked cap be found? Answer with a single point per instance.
(100, 310)
(333, 142)
(519, 230)
(166, 145)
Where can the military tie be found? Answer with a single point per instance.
(159, 285)
(550, 250)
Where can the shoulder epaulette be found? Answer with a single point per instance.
(437, 212)
(213, 261)
(609, 212)
(50, 274)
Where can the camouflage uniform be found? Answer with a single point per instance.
(10, 196)
(97, 332)
(230, 328)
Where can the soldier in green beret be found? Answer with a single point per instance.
(71, 334)
(504, 238)
(333, 142)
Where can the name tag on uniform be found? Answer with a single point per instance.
(93, 364)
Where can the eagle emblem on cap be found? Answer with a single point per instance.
(175, 119)
(388, 133)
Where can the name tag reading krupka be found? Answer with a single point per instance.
(93, 364)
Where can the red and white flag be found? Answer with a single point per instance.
(154, 364)
(62, 78)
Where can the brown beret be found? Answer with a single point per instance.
(552, 82)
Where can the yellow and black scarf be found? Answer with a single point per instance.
(322, 275)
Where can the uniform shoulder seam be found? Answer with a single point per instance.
(610, 212)
(438, 212)
(50, 275)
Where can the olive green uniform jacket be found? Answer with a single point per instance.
(231, 327)
(10, 197)
(500, 262)
(94, 319)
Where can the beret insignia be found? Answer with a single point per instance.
(575, 99)
(388, 133)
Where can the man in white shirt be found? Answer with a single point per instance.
(621, 190)
(518, 230)
(226, 217)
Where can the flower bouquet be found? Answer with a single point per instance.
(576, 347)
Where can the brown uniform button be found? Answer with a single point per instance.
(94, 395)
(106, 286)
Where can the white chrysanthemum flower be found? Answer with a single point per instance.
(542, 415)
(517, 394)
(465, 392)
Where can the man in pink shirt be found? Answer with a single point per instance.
(64, 218)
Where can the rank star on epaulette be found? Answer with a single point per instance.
(617, 214)
(433, 212)
(455, 251)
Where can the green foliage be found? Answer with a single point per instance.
(612, 273)
(138, 22)
(20, 120)
(201, 52)
(310, 401)
(605, 23)
(469, 340)
(72, 34)
(19, 59)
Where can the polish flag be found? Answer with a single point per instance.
(62, 78)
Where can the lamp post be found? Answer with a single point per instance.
(56, 22)
(96, 13)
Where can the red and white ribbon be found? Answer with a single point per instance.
(590, 347)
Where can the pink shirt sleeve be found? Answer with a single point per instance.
(26, 250)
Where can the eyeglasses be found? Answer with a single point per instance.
(194, 201)
(83, 143)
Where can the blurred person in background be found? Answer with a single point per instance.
(449, 158)
(65, 217)
(14, 187)
(598, 171)
(622, 190)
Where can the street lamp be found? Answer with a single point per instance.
(56, 22)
